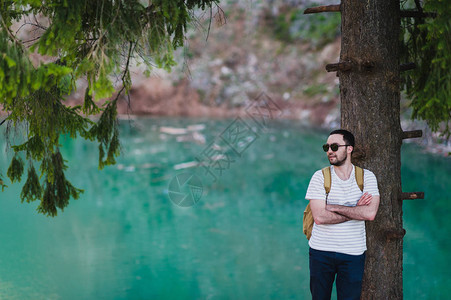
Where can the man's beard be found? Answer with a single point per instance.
(338, 162)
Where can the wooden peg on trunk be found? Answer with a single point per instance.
(395, 234)
(324, 8)
(412, 134)
(407, 66)
(416, 14)
(341, 66)
(412, 195)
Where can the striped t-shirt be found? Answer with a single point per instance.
(348, 237)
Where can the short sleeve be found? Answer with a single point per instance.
(315, 188)
(370, 183)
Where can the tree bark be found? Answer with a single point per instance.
(370, 98)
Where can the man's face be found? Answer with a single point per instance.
(338, 157)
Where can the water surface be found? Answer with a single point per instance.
(125, 239)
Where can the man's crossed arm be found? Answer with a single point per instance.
(365, 210)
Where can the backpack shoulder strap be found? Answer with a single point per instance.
(327, 179)
(359, 177)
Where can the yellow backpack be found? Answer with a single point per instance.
(307, 221)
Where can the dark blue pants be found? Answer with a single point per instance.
(325, 265)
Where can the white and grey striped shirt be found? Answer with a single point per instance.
(348, 237)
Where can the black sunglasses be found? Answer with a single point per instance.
(333, 146)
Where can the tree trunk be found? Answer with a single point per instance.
(370, 96)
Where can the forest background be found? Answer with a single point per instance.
(238, 50)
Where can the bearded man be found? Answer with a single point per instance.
(338, 243)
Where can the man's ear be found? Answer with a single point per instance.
(350, 149)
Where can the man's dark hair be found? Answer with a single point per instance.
(347, 136)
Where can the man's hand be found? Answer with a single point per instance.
(365, 199)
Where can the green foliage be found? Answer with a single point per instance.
(92, 39)
(281, 26)
(427, 42)
(2, 184)
(15, 169)
(320, 28)
(317, 29)
(315, 89)
(32, 189)
(58, 189)
(107, 135)
(13, 82)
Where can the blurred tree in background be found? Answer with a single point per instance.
(92, 39)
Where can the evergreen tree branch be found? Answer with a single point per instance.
(87, 39)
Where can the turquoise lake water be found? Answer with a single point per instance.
(125, 239)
